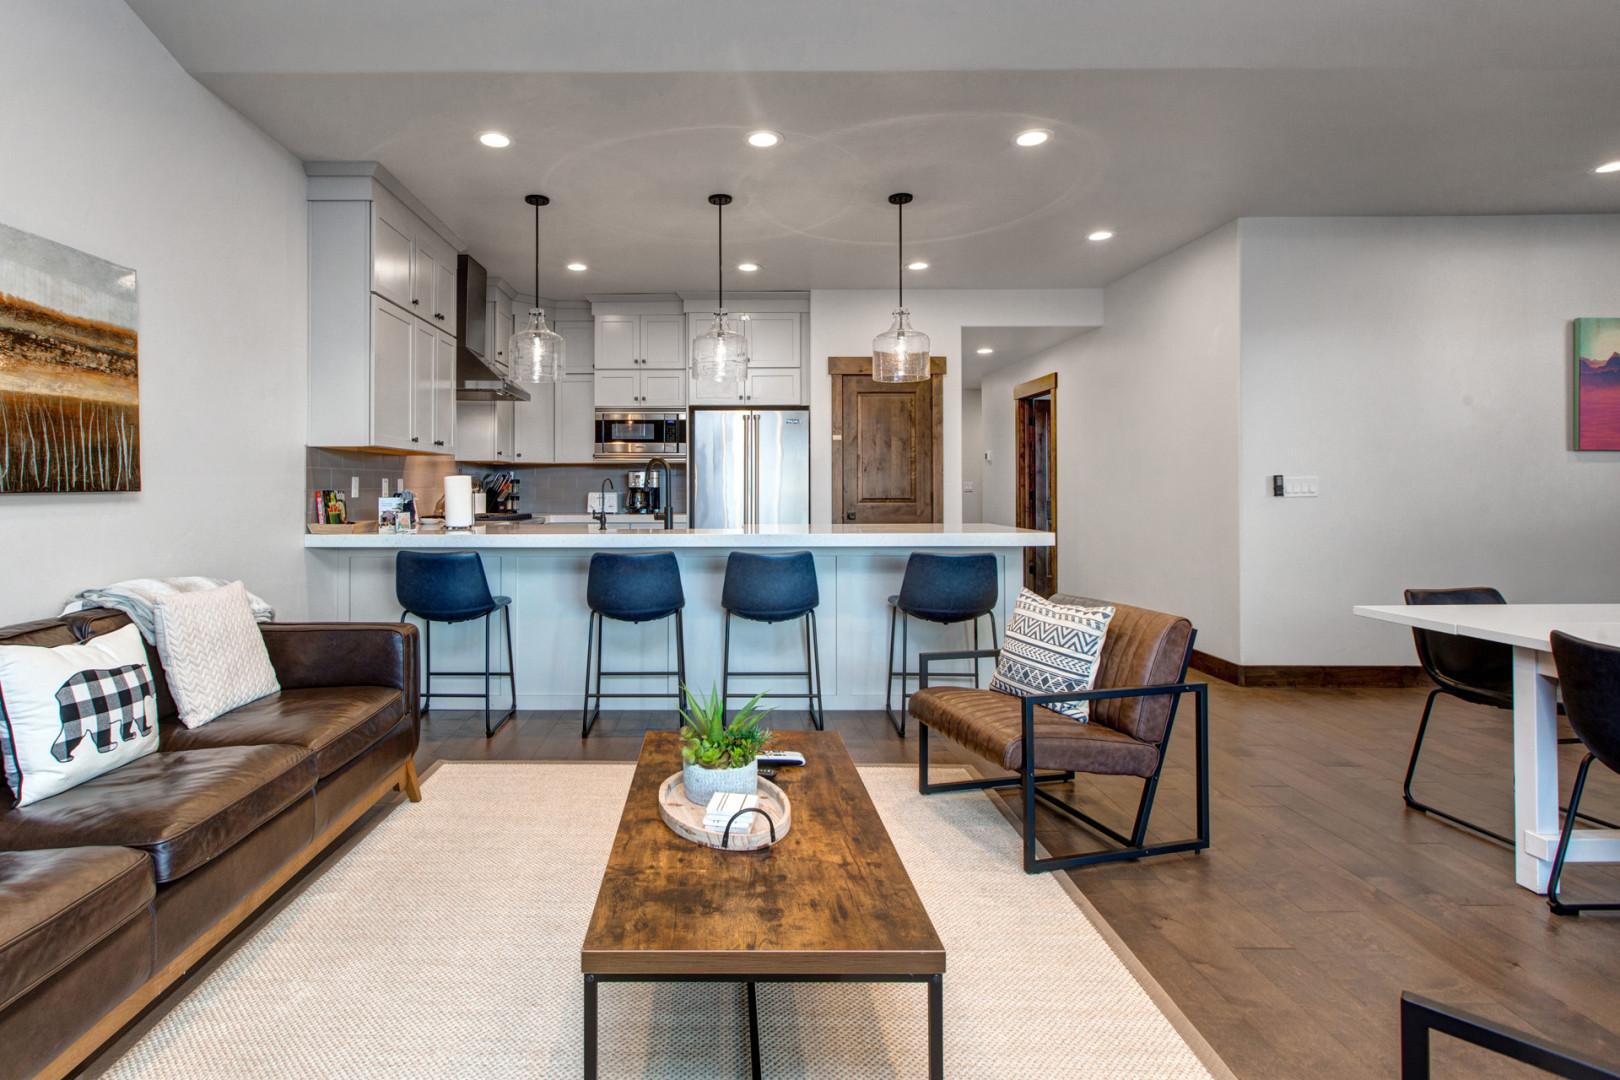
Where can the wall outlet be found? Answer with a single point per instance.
(354, 487)
(1294, 487)
(385, 487)
(967, 487)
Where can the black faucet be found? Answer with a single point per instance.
(665, 494)
(601, 508)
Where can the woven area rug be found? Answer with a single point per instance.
(446, 944)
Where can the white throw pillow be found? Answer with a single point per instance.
(73, 712)
(1051, 649)
(212, 652)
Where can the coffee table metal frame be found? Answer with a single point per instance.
(936, 1008)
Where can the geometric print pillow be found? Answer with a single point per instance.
(73, 712)
(212, 652)
(1051, 649)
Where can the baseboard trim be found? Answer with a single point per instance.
(1308, 675)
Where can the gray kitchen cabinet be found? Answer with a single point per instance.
(484, 432)
(379, 374)
(631, 389)
(392, 416)
(444, 394)
(639, 341)
(579, 345)
(576, 419)
(534, 426)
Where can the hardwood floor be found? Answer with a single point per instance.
(1288, 943)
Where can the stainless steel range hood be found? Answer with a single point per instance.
(476, 380)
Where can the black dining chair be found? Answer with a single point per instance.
(1589, 676)
(450, 587)
(1468, 669)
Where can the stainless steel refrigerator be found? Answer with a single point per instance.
(748, 467)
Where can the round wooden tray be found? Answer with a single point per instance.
(685, 817)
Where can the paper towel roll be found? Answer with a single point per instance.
(458, 502)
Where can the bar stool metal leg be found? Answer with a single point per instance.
(680, 668)
(586, 719)
(725, 672)
(821, 700)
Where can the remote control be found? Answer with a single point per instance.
(781, 757)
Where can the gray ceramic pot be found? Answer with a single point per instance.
(702, 783)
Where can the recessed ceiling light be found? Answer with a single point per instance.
(1608, 167)
(1100, 235)
(578, 267)
(918, 265)
(748, 268)
(1032, 137)
(764, 138)
(985, 350)
(495, 139)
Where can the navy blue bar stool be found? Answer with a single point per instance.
(772, 589)
(631, 588)
(450, 587)
(939, 589)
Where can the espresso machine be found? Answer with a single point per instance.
(642, 494)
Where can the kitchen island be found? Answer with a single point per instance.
(542, 567)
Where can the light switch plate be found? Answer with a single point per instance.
(1295, 487)
(385, 487)
(967, 487)
(354, 487)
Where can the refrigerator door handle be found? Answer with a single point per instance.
(756, 469)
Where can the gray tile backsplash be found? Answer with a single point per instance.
(559, 490)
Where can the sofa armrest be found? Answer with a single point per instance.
(345, 654)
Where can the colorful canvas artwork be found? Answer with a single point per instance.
(1597, 384)
(69, 391)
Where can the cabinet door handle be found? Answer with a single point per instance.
(415, 439)
(438, 442)
(518, 454)
(416, 303)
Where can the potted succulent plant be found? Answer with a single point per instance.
(716, 757)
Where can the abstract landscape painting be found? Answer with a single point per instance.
(1597, 384)
(69, 398)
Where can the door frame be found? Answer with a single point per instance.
(1045, 385)
(838, 367)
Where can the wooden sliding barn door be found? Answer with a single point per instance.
(887, 467)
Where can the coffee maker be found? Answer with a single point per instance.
(642, 493)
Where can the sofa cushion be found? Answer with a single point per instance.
(56, 905)
(1143, 648)
(337, 723)
(183, 808)
(991, 725)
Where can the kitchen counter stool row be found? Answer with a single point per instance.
(644, 587)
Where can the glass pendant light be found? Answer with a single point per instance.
(900, 354)
(720, 353)
(537, 349)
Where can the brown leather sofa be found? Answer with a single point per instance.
(113, 890)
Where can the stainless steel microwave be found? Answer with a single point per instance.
(623, 435)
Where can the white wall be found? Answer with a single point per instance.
(972, 455)
(843, 322)
(1420, 367)
(1147, 436)
(113, 149)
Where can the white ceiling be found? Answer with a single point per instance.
(1012, 345)
(1171, 118)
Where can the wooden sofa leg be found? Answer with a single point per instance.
(409, 784)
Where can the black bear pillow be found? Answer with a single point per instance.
(71, 713)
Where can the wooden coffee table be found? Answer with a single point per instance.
(830, 903)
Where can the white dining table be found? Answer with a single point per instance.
(1528, 629)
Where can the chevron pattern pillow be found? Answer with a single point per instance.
(212, 652)
(1051, 649)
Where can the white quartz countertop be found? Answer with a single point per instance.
(589, 537)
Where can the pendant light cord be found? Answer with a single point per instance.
(536, 254)
(719, 258)
(900, 253)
